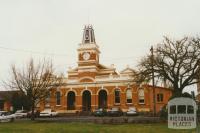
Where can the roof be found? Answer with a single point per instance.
(128, 71)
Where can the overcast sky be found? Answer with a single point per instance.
(124, 29)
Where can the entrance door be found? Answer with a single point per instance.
(86, 101)
(71, 100)
(102, 99)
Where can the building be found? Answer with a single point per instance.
(5, 100)
(92, 85)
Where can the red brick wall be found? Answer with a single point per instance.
(87, 74)
(7, 106)
(148, 92)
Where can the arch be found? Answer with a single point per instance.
(86, 100)
(141, 88)
(102, 99)
(86, 90)
(71, 100)
(69, 91)
(58, 91)
(103, 89)
(116, 88)
(129, 88)
(87, 78)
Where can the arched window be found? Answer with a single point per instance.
(141, 96)
(128, 96)
(58, 95)
(117, 96)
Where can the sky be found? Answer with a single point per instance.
(124, 29)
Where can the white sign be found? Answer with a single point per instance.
(182, 113)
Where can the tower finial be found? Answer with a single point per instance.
(88, 35)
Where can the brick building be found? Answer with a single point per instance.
(92, 85)
(5, 100)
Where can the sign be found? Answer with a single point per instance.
(182, 113)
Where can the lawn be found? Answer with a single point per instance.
(39, 127)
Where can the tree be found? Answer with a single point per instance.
(177, 61)
(34, 81)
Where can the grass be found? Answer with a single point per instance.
(39, 127)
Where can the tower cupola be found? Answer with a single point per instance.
(88, 35)
(88, 50)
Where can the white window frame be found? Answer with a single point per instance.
(131, 95)
(141, 96)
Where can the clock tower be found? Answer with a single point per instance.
(88, 52)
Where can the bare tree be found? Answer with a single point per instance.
(35, 81)
(176, 61)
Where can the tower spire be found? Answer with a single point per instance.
(88, 35)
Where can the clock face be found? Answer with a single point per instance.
(86, 56)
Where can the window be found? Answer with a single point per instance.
(117, 96)
(87, 36)
(190, 109)
(141, 96)
(173, 109)
(58, 98)
(47, 100)
(160, 97)
(128, 96)
(181, 109)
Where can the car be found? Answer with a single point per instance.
(21, 113)
(131, 111)
(115, 111)
(48, 113)
(1, 112)
(6, 116)
(36, 113)
(100, 112)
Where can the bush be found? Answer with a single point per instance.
(163, 113)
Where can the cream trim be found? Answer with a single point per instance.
(97, 84)
(86, 61)
(87, 67)
(86, 70)
(87, 77)
(73, 74)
